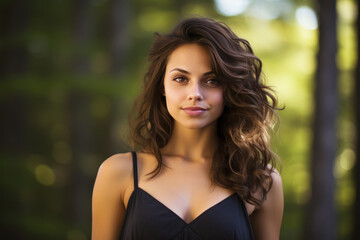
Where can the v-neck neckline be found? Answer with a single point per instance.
(175, 214)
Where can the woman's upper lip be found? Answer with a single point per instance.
(194, 108)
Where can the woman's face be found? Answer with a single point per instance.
(194, 95)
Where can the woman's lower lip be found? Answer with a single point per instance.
(194, 112)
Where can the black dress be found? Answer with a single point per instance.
(148, 219)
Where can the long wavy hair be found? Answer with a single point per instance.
(243, 161)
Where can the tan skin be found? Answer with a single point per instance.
(184, 186)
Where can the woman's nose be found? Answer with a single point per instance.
(195, 93)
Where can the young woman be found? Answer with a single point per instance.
(204, 168)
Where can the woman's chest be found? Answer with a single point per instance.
(148, 218)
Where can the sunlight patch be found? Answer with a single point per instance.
(231, 8)
(306, 17)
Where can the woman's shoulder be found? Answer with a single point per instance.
(275, 193)
(276, 190)
(108, 208)
(266, 220)
(276, 180)
(117, 162)
(117, 168)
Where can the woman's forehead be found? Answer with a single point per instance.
(189, 57)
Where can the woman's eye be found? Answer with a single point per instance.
(180, 79)
(212, 82)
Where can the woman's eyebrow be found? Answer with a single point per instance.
(186, 72)
(209, 73)
(180, 70)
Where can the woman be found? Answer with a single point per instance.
(204, 169)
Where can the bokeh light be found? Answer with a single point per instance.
(231, 7)
(306, 17)
(44, 175)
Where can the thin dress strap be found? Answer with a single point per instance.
(135, 169)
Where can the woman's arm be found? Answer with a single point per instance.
(107, 203)
(266, 220)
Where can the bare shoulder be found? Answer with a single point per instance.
(276, 182)
(108, 209)
(266, 220)
(275, 196)
(117, 165)
(116, 172)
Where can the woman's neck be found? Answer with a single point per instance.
(192, 144)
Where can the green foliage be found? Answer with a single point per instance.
(36, 180)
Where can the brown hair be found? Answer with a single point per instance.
(241, 162)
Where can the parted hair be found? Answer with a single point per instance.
(243, 161)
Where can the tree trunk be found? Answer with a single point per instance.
(321, 215)
(14, 59)
(120, 44)
(120, 35)
(79, 120)
(356, 232)
(14, 55)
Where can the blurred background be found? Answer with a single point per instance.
(71, 69)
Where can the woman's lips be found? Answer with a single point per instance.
(194, 111)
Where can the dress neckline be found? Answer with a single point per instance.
(214, 206)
